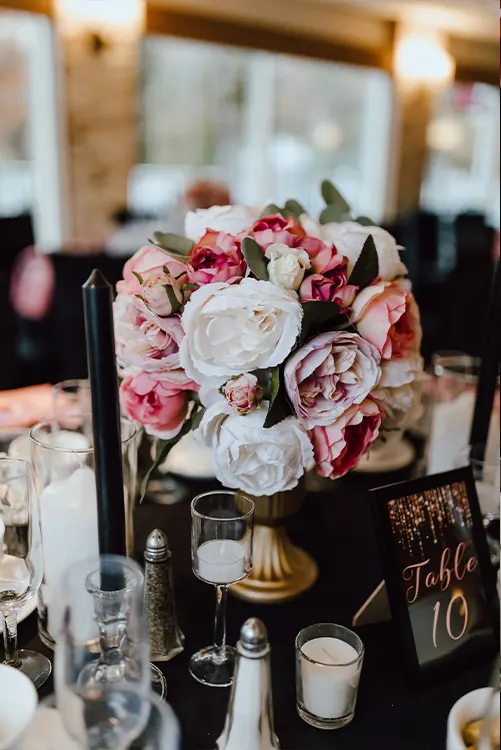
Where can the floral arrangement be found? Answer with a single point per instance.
(283, 342)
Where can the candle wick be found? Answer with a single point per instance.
(329, 655)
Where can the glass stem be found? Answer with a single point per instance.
(220, 621)
(10, 639)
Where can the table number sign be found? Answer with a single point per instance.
(439, 578)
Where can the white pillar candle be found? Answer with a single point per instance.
(68, 516)
(327, 688)
(221, 561)
(2, 534)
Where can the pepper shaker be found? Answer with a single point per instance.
(167, 640)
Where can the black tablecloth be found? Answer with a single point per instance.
(335, 527)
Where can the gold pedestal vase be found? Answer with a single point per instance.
(281, 570)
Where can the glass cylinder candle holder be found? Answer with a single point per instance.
(329, 662)
(63, 464)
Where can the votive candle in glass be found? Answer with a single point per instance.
(329, 662)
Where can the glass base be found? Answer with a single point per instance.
(158, 682)
(319, 723)
(34, 665)
(214, 667)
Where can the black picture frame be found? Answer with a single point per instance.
(417, 670)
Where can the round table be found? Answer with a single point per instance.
(335, 527)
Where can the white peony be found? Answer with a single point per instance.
(236, 328)
(400, 391)
(397, 372)
(229, 219)
(251, 458)
(287, 265)
(349, 239)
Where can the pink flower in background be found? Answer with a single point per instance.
(330, 374)
(277, 230)
(158, 402)
(340, 446)
(216, 257)
(386, 314)
(145, 340)
(243, 393)
(149, 263)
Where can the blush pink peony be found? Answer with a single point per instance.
(158, 402)
(149, 263)
(145, 340)
(216, 257)
(340, 446)
(330, 374)
(277, 230)
(386, 314)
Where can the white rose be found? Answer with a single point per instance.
(397, 372)
(251, 458)
(236, 328)
(287, 265)
(400, 391)
(229, 219)
(349, 239)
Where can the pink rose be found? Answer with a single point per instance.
(243, 393)
(216, 257)
(277, 230)
(386, 314)
(329, 282)
(149, 263)
(340, 446)
(330, 374)
(159, 403)
(143, 339)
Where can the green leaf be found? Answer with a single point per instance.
(295, 208)
(367, 266)
(333, 214)
(279, 403)
(196, 418)
(364, 221)
(270, 210)
(333, 197)
(255, 259)
(174, 302)
(163, 449)
(316, 315)
(138, 277)
(173, 244)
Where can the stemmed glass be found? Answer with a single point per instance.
(160, 733)
(102, 652)
(222, 534)
(21, 563)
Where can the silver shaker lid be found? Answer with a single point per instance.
(253, 641)
(157, 547)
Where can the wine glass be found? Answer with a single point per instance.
(161, 730)
(222, 533)
(102, 645)
(21, 563)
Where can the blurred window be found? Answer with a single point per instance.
(464, 156)
(16, 167)
(271, 126)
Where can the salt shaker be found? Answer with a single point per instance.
(249, 721)
(167, 640)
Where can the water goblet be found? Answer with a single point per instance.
(222, 534)
(21, 562)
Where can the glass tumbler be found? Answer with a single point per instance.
(64, 470)
(329, 662)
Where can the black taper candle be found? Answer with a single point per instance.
(98, 299)
(489, 370)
